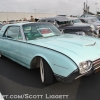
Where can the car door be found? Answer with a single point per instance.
(12, 42)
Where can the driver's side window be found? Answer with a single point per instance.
(13, 32)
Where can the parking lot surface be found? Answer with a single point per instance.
(18, 80)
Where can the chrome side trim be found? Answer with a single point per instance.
(22, 32)
(60, 66)
(97, 60)
(79, 76)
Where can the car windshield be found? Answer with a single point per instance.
(93, 20)
(40, 30)
(63, 23)
(77, 21)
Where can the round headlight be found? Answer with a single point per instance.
(84, 67)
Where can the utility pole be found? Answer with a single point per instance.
(96, 7)
(35, 12)
(87, 7)
(7, 15)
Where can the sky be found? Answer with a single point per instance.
(69, 7)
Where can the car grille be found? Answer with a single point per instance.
(96, 64)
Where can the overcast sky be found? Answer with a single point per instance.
(68, 7)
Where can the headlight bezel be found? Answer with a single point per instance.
(85, 67)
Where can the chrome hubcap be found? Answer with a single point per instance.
(41, 70)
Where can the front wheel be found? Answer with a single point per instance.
(46, 73)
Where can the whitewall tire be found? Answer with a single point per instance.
(46, 72)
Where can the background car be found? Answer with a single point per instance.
(66, 25)
(91, 20)
(12, 21)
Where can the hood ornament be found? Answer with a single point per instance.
(90, 44)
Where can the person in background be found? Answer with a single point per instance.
(32, 19)
(24, 19)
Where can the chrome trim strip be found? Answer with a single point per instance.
(60, 66)
(98, 60)
(79, 76)
(96, 64)
(97, 68)
(22, 32)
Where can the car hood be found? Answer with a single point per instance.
(81, 24)
(78, 48)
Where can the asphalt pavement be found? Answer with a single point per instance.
(18, 80)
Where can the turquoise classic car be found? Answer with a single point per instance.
(41, 45)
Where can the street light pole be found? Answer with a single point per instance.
(1, 16)
(35, 12)
(96, 7)
(56, 13)
(7, 15)
(97, 11)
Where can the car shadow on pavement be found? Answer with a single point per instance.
(20, 74)
(89, 87)
(20, 80)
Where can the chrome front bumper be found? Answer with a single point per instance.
(95, 68)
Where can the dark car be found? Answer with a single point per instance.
(91, 20)
(12, 21)
(65, 25)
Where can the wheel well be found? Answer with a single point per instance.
(35, 63)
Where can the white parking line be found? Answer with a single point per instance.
(1, 97)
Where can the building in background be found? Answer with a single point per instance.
(6, 16)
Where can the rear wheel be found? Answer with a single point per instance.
(46, 73)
